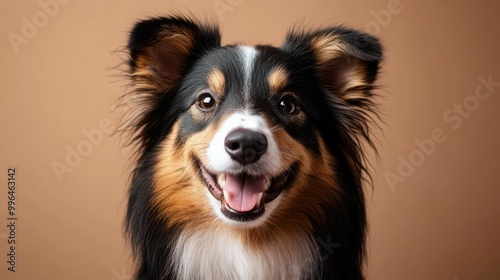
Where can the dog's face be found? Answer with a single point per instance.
(243, 135)
(246, 128)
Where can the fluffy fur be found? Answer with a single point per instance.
(282, 201)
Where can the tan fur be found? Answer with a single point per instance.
(181, 38)
(180, 44)
(176, 185)
(216, 82)
(327, 47)
(277, 79)
(313, 180)
(329, 50)
(179, 187)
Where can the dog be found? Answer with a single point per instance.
(250, 160)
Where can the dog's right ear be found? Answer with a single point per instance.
(161, 49)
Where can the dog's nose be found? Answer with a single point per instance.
(245, 146)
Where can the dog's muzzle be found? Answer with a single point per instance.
(243, 195)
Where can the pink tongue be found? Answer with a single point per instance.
(242, 191)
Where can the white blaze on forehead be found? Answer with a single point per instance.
(219, 160)
(248, 55)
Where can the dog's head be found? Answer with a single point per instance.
(249, 133)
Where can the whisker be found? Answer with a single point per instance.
(294, 156)
(274, 128)
(200, 144)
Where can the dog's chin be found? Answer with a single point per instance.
(243, 197)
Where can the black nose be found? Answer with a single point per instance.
(245, 146)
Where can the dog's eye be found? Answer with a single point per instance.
(206, 101)
(289, 106)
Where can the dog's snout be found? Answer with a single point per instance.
(245, 146)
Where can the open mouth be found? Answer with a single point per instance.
(243, 196)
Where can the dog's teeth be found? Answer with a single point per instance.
(259, 199)
(267, 183)
(221, 180)
(226, 194)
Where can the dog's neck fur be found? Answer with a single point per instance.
(215, 254)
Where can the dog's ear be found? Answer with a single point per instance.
(161, 52)
(346, 61)
(161, 49)
(346, 64)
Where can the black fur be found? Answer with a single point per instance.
(342, 124)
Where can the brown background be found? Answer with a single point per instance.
(57, 85)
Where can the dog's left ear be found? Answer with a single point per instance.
(161, 51)
(163, 48)
(346, 61)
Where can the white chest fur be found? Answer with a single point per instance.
(218, 255)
